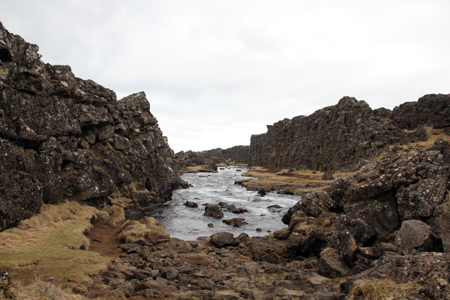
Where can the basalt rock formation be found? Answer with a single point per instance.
(339, 136)
(381, 234)
(388, 213)
(62, 137)
(237, 154)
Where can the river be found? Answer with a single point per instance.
(189, 223)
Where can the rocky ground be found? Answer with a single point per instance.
(381, 234)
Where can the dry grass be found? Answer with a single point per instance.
(49, 245)
(293, 182)
(147, 229)
(39, 290)
(196, 169)
(432, 135)
(381, 290)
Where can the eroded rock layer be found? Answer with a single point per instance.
(236, 154)
(62, 137)
(339, 136)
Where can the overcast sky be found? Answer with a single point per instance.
(216, 72)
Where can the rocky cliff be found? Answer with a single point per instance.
(62, 137)
(339, 136)
(237, 154)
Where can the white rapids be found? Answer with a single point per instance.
(188, 223)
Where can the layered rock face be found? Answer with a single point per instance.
(432, 110)
(339, 136)
(238, 154)
(62, 137)
(392, 212)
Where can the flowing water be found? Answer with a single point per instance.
(188, 223)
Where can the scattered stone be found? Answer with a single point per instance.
(232, 208)
(190, 204)
(331, 265)
(213, 210)
(242, 238)
(282, 234)
(274, 208)
(272, 258)
(345, 244)
(235, 222)
(316, 279)
(222, 239)
(290, 294)
(415, 235)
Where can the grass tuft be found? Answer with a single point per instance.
(38, 290)
(147, 229)
(381, 290)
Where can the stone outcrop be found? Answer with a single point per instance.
(62, 137)
(430, 110)
(340, 136)
(236, 154)
(359, 237)
(387, 221)
(213, 210)
(239, 154)
(399, 203)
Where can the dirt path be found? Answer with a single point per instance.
(103, 239)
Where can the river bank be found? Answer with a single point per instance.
(333, 245)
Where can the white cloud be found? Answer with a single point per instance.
(216, 72)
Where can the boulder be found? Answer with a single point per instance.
(443, 147)
(213, 210)
(331, 265)
(415, 235)
(441, 223)
(380, 216)
(235, 222)
(400, 187)
(190, 204)
(222, 239)
(311, 204)
(358, 228)
(345, 244)
(419, 200)
(306, 240)
(282, 234)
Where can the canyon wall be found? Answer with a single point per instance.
(62, 137)
(339, 136)
(237, 154)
